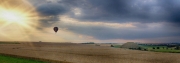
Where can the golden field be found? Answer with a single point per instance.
(83, 53)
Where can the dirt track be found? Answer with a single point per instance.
(80, 53)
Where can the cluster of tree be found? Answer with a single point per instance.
(133, 48)
(156, 47)
(163, 44)
(176, 48)
(139, 48)
(89, 43)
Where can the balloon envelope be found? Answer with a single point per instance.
(55, 29)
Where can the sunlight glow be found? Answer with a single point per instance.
(11, 16)
(17, 18)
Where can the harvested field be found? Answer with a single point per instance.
(81, 53)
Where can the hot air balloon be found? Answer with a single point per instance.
(56, 29)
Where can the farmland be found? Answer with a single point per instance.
(84, 53)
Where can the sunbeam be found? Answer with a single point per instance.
(17, 14)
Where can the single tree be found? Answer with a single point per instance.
(167, 48)
(112, 46)
(139, 48)
(145, 50)
(157, 47)
(163, 47)
(177, 48)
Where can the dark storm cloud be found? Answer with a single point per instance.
(50, 12)
(172, 7)
(51, 9)
(146, 11)
(98, 10)
(120, 11)
(116, 11)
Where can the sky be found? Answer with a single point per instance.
(101, 21)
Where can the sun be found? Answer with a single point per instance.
(18, 13)
(18, 19)
(13, 17)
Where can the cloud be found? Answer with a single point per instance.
(113, 19)
(172, 8)
(110, 33)
(116, 11)
(106, 31)
(51, 9)
(49, 13)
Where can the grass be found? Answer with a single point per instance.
(168, 51)
(9, 43)
(116, 46)
(9, 59)
(161, 49)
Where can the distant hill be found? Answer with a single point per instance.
(130, 45)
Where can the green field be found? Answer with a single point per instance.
(116, 46)
(9, 43)
(9, 59)
(161, 49)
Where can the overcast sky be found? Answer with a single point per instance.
(106, 20)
